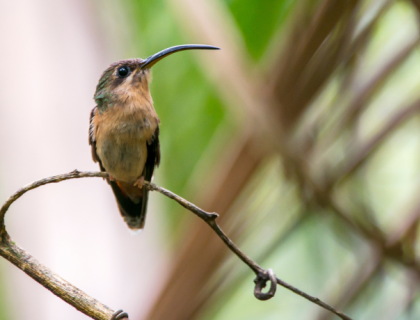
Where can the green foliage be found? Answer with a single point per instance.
(258, 21)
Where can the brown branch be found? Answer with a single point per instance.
(97, 310)
(54, 179)
(61, 288)
(24, 261)
(210, 219)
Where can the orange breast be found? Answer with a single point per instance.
(122, 133)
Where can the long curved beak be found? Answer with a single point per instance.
(150, 61)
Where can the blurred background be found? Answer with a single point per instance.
(303, 133)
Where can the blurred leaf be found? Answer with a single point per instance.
(258, 21)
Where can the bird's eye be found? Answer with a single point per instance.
(123, 71)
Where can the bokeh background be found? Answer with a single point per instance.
(303, 133)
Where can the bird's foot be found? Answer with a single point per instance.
(111, 178)
(118, 315)
(139, 182)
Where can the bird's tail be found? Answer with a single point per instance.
(132, 203)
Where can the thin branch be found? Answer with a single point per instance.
(54, 179)
(60, 287)
(24, 261)
(210, 219)
(97, 310)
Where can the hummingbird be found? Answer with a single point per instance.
(124, 131)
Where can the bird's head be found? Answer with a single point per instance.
(128, 78)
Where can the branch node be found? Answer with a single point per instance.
(210, 217)
(260, 283)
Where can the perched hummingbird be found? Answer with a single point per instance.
(124, 131)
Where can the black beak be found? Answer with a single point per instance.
(149, 62)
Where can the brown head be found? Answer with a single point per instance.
(124, 78)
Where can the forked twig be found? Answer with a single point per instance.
(93, 308)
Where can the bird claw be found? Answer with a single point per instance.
(111, 178)
(139, 182)
(118, 315)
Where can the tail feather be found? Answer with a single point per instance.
(133, 212)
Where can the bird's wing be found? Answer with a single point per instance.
(153, 155)
(152, 161)
(92, 138)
